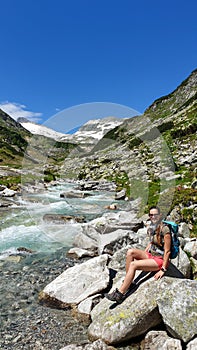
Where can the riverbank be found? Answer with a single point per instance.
(26, 324)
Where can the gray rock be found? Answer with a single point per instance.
(184, 230)
(79, 253)
(78, 282)
(177, 302)
(182, 262)
(194, 184)
(86, 306)
(191, 248)
(159, 340)
(97, 345)
(136, 315)
(73, 194)
(111, 242)
(194, 267)
(87, 239)
(7, 193)
(60, 218)
(192, 345)
(120, 195)
(171, 300)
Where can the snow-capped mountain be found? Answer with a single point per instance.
(39, 129)
(88, 134)
(94, 130)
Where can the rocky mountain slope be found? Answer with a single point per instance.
(13, 140)
(152, 156)
(18, 145)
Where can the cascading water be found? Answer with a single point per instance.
(22, 224)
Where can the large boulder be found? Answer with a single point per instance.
(77, 283)
(169, 300)
(88, 238)
(115, 323)
(182, 263)
(177, 302)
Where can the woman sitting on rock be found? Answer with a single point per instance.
(154, 258)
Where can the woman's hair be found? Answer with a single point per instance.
(155, 207)
(158, 236)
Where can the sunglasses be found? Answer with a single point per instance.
(151, 215)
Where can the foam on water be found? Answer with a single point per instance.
(23, 225)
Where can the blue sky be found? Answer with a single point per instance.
(59, 54)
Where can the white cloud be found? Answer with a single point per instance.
(16, 110)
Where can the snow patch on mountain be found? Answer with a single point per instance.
(95, 129)
(91, 132)
(39, 129)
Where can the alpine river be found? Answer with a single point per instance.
(22, 223)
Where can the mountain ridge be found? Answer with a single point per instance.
(155, 152)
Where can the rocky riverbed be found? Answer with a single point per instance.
(26, 324)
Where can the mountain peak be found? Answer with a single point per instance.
(23, 120)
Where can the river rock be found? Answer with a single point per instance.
(191, 248)
(115, 323)
(192, 345)
(120, 195)
(60, 218)
(78, 282)
(73, 194)
(7, 193)
(171, 300)
(97, 345)
(155, 340)
(78, 253)
(89, 185)
(177, 302)
(88, 238)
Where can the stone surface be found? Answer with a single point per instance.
(192, 345)
(159, 340)
(79, 282)
(116, 323)
(79, 253)
(177, 302)
(97, 345)
(169, 300)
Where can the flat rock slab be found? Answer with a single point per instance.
(78, 282)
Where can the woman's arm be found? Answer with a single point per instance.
(148, 247)
(167, 247)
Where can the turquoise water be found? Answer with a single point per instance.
(23, 225)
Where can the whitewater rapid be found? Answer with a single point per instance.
(22, 225)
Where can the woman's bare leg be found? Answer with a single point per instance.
(134, 254)
(143, 265)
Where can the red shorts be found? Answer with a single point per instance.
(158, 259)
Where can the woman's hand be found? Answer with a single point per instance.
(159, 275)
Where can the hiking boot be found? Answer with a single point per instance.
(115, 296)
